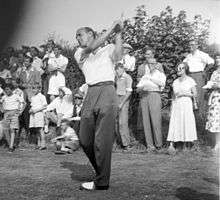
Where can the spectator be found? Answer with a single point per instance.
(37, 63)
(60, 108)
(197, 61)
(75, 120)
(56, 67)
(68, 141)
(213, 116)
(128, 61)
(13, 106)
(18, 68)
(29, 77)
(182, 127)
(4, 72)
(124, 89)
(38, 105)
(49, 52)
(150, 100)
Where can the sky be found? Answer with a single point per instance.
(63, 17)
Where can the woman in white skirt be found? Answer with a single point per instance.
(182, 127)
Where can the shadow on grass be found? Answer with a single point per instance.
(185, 193)
(79, 172)
(212, 180)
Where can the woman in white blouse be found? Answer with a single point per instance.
(182, 127)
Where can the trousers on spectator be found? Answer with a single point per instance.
(151, 113)
(122, 123)
(97, 129)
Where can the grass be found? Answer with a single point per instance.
(36, 175)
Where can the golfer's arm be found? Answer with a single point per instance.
(118, 52)
(97, 42)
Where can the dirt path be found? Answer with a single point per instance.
(35, 175)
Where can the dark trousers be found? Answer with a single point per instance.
(97, 126)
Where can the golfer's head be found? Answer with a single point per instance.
(85, 36)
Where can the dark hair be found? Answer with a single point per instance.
(9, 85)
(88, 29)
(35, 49)
(17, 80)
(186, 67)
(58, 47)
(28, 57)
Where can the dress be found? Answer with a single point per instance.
(37, 119)
(213, 116)
(182, 126)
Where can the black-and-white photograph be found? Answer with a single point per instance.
(109, 99)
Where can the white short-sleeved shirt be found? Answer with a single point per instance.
(98, 66)
(38, 101)
(198, 61)
(128, 62)
(12, 102)
(71, 134)
(62, 106)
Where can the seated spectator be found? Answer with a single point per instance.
(213, 115)
(12, 106)
(60, 108)
(68, 141)
(38, 105)
(75, 119)
(37, 63)
(56, 67)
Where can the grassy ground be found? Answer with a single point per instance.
(34, 175)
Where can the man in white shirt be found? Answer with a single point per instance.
(150, 99)
(60, 108)
(56, 66)
(197, 62)
(99, 110)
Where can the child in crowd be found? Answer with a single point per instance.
(68, 141)
(12, 106)
(38, 105)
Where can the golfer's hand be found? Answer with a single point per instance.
(117, 26)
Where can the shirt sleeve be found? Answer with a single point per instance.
(129, 84)
(110, 50)
(44, 101)
(192, 82)
(162, 77)
(207, 59)
(78, 55)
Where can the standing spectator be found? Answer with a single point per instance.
(213, 117)
(124, 89)
(128, 61)
(99, 110)
(197, 61)
(151, 74)
(49, 52)
(19, 66)
(38, 105)
(13, 106)
(16, 83)
(182, 126)
(57, 67)
(37, 63)
(60, 108)
(29, 77)
(4, 72)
